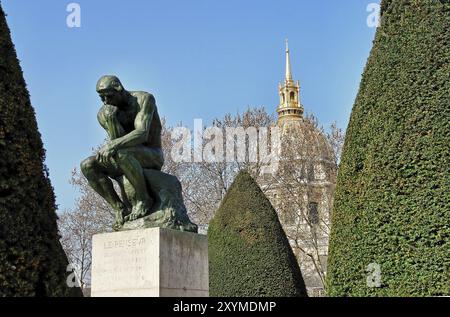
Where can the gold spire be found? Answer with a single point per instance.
(290, 108)
(288, 64)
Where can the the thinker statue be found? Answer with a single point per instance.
(133, 157)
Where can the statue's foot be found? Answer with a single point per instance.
(139, 210)
(119, 220)
(117, 226)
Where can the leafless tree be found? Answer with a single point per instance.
(336, 138)
(206, 183)
(90, 216)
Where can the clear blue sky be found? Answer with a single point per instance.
(201, 59)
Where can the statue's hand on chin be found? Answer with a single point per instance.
(109, 111)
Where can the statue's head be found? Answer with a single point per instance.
(110, 90)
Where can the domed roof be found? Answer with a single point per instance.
(301, 139)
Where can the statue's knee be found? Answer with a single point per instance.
(87, 166)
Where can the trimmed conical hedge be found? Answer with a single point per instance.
(392, 198)
(32, 261)
(249, 253)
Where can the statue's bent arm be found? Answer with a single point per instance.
(142, 125)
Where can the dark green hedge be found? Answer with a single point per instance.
(392, 199)
(249, 253)
(32, 261)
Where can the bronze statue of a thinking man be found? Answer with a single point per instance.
(134, 158)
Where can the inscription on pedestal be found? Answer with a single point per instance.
(150, 262)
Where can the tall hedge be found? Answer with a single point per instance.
(392, 199)
(32, 261)
(249, 252)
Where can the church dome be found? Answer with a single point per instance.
(301, 139)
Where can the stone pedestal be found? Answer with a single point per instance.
(150, 263)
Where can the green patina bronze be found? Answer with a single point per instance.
(133, 158)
